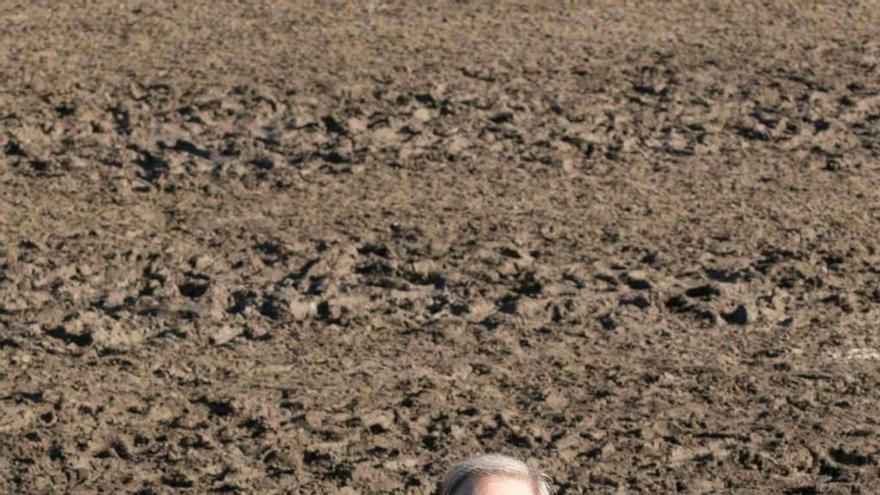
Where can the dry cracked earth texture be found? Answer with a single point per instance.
(305, 247)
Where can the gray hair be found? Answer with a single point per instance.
(493, 464)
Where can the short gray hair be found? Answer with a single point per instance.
(493, 464)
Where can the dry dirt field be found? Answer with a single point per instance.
(289, 246)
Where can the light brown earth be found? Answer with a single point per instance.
(331, 247)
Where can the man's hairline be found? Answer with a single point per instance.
(493, 465)
(532, 478)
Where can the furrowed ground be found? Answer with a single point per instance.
(332, 247)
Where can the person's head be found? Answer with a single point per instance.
(494, 474)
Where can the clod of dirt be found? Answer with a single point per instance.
(607, 322)
(154, 167)
(851, 458)
(81, 340)
(217, 407)
(707, 316)
(356, 125)
(336, 158)
(678, 304)
(301, 310)
(502, 118)
(640, 302)
(193, 290)
(329, 311)
(704, 292)
(378, 422)
(188, 147)
(271, 308)
(225, 334)
(333, 125)
(529, 284)
(13, 148)
(262, 163)
(201, 262)
(726, 275)
(803, 490)
(739, 316)
(422, 115)
(637, 280)
(177, 480)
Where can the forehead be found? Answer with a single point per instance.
(497, 485)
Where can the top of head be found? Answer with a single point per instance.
(494, 474)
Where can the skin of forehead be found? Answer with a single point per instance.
(496, 485)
